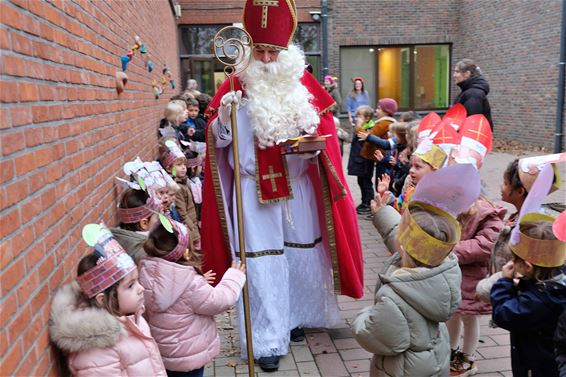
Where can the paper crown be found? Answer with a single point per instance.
(427, 124)
(476, 134)
(430, 153)
(530, 167)
(113, 263)
(446, 192)
(146, 174)
(271, 23)
(194, 162)
(182, 234)
(455, 116)
(544, 253)
(174, 152)
(137, 214)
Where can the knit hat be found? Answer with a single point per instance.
(388, 105)
(329, 78)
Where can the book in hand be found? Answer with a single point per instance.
(303, 144)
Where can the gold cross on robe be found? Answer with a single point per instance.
(271, 176)
(265, 4)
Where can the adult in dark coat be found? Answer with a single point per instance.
(474, 89)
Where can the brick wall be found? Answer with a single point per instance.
(517, 45)
(64, 135)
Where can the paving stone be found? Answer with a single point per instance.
(495, 352)
(494, 365)
(287, 363)
(331, 365)
(486, 341)
(360, 304)
(346, 343)
(224, 372)
(301, 353)
(357, 366)
(279, 373)
(308, 369)
(355, 354)
(501, 339)
(320, 343)
(340, 333)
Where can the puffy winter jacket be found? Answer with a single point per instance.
(474, 97)
(530, 312)
(404, 329)
(100, 344)
(479, 234)
(180, 307)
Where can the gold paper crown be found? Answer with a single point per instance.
(434, 156)
(542, 253)
(421, 245)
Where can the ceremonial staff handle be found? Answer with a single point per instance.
(230, 44)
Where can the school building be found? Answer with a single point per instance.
(406, 50)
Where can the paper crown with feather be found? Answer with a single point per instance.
(181, 233)
(113, 263)
(271, 23)
(446, 192)
(173, 153)
(146, 174)
(136, 182)
(542, 253)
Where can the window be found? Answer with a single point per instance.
(198, 61)
(417, 77)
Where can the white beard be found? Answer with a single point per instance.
(278, 104)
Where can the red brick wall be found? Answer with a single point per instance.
(64, 135)
(517, 45)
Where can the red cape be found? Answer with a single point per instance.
(341, 234)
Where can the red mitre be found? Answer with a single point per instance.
(271, 23)
(427, 124)
(455, 116)
(476, 134)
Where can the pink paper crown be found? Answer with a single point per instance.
(136, 214)
(194, 162)
(109, 269)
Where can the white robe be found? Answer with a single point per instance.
(291, 286)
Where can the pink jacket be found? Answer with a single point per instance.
(180, 309)
(479, 234)
(100, 344)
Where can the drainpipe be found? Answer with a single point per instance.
(560, 96)
(324, 15)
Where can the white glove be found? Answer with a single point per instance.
(226, 105)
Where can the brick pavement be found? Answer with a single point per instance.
(334, 352)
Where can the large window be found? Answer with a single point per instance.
(198, 61)
(417, 77)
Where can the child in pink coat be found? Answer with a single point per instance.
(481, 226)
(96, 324)
(180, 303)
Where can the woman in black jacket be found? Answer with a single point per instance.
(474, 89)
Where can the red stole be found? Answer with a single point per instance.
(272, 177)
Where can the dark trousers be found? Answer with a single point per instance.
(367, 189)
(191, 373)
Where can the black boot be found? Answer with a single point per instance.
(268, 363)
(297, 334)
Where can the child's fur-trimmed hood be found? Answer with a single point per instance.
(74, 328)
